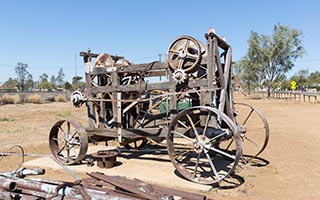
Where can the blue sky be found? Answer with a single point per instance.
(48, 35)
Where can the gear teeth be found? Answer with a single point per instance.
(179, 76)
(178, 55)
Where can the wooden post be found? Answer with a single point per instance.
(90, 107)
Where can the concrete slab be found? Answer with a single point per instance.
(154, 168)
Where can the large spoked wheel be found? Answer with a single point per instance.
(193, 143)
(254, 129)
(68, 141)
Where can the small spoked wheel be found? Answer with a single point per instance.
(193, 143)
(254, 129)
(136, 144)
(68, 141)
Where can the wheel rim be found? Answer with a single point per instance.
(68, 142)
(255, 129)
(193, 144)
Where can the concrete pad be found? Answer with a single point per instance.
(154, 168)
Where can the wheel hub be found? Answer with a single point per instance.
(182, 54)
(179, 75)
(202, 143)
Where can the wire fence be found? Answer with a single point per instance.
(311, 97)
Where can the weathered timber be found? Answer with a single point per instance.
(94, 55)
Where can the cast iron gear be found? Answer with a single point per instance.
(179, 76)
(184, 53)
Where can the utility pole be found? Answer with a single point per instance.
(160, 55)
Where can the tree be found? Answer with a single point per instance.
(10, 84)
(314, 79)
(247, 75)
(21, 71)
(301, 78)
(77, 83)
(53, 81)
(67, 86)
(43, 82)
(29, 82)
(270, 57)
(60, 77)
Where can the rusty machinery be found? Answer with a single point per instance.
(191, 107)
(97, 186)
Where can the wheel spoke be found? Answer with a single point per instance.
(61, 150)
(207, 123)
(186, 46)
(188, 128)
(174, 51)
(253, 142)
(227, 148)
(68, 125)
(197, 164)
(214, 170)
(181, 123)
(68, 155)
(182, 135)
(221, 134)
(250, 113)
(76, 143)
(193, 125)
(256, 129)
(191, 56)
(64, 133)
(184, 152)
(223, 153)
(73, 135)
(180, 63)
(135, 145)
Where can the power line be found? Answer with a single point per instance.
(156, 56)
(6, 65)
(309, 60)
(43, 67)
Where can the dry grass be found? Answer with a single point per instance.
(60, 98)
(11, 99)
(34, 98)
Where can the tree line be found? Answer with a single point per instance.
(304, 80)
(270, 57)
(24, 81)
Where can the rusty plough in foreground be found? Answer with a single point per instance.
(98, 186)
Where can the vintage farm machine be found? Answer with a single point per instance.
(186, 100)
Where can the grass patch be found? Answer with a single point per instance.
(65, 114)
(4, 119)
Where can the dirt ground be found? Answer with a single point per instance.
(292, 162)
